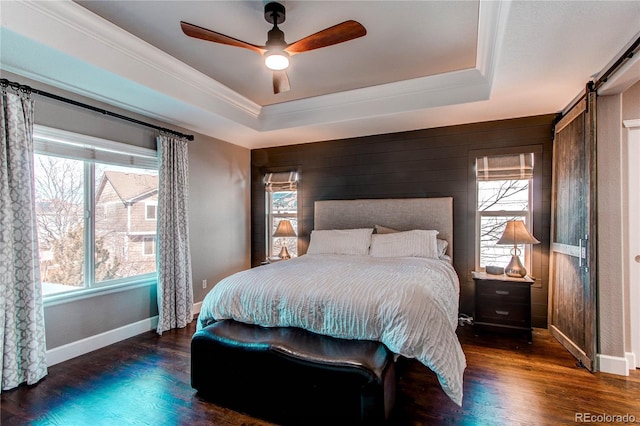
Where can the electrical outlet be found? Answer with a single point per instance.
(204, 283)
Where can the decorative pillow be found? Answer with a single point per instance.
(340, 241)
(442, 249)
(384, 230)
(416, 243)
(442, 244)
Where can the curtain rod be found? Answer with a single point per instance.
(27, 89)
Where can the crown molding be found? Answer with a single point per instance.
(403, 96)
(101, 43)
(113, 66)
(492, 21)
(454, 87)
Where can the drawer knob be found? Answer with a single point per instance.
(502, 292)
(502, 313)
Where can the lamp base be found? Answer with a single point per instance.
(515, 268)
(284, 253)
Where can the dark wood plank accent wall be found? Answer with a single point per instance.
(423, 163)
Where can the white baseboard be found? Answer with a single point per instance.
(197, 307)
(613, 365)
(631, 360)
(83, 346)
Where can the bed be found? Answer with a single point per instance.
(408, 302)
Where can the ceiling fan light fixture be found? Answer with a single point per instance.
(276, 60)
(276, 50)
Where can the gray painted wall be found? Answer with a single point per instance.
(613, 292)
(219, 222)
(630, 111)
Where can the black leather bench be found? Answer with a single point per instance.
(293, 376)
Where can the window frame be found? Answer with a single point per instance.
(534, 261)
(59, 143)
(270, 216)
(526, 215)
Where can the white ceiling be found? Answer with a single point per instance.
(398, 46)
(422, 63)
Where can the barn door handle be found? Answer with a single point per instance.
(583, 244)
(580, 253)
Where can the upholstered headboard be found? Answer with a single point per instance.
(403, 214)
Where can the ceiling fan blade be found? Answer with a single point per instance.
(280, 82)
(339, 33)
(209, 35)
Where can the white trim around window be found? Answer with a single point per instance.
(92, 152)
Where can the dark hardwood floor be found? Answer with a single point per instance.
(145, 381)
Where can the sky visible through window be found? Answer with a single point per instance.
(498, 202)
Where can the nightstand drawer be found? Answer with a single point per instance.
(512, 314)
(489, 290)
(503, 304)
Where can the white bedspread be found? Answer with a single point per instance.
(409, 304)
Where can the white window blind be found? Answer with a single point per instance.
(283, 181)
(505, 167)
(61, 143)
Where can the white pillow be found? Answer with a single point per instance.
(340, 241)
(442, 244)
(416, 243)
(442, 249)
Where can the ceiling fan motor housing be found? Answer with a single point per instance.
(274, 13)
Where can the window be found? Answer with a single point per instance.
(150, 210)
(504, 193)
(282, 203)
(92, 200)
(149, 246)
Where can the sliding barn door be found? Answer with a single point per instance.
(572, 307)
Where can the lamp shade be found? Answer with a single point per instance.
(516, 233)
(284, 230)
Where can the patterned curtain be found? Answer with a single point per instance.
(22, 337)
(175, 290)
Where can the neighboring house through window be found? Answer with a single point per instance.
(282, 204)
(504, 193)
(130, 195)
(96, 207)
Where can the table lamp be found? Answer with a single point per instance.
(284, 230)
(516, 233)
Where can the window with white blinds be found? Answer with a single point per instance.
(281, 190)
(504, 193)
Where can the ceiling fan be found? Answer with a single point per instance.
(276, 50)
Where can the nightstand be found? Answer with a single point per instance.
(502, 303)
